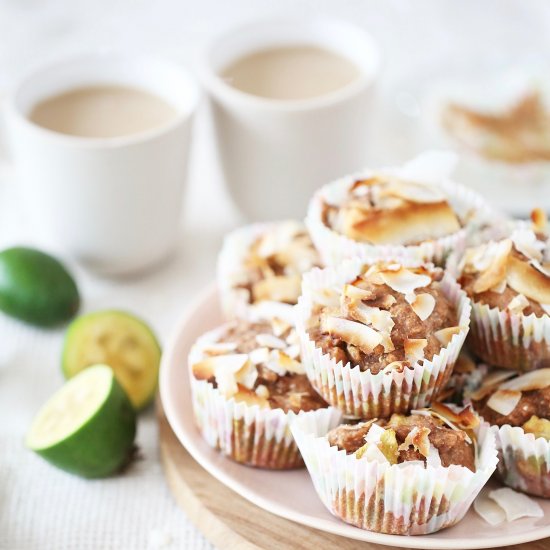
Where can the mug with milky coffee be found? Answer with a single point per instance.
(100, 146)
(290, 102)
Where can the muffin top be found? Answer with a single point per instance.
(272, 264)
(438, 437)
(388, 318)
(387, 210)
(505, 398)
(257, 363)
(511, 274)
(518, 134)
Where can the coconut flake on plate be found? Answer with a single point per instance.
(516, 505)
(488, 509)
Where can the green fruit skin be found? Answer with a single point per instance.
(36, 288)
(103, 444)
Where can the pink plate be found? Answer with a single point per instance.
(291, 494)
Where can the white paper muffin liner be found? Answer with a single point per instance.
(248, 434)
(510, 340)
(363, 394)
(524, 461)
(403, 499)
(433, 168)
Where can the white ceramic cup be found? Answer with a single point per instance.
(275, 153)
(112, 203)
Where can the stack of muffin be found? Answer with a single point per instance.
(343, 332)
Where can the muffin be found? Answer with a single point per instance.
(509, 284)
(262, 264)
(380, 338)
(412, 212)
(408, 475)
(467, 377)
(518, 409)
(246, 379)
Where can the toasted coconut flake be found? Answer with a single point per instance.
(516, 505)
(280, 326)
(414, 192)
(534, 380)
(210, 366)
(398, 366)
(414, 349)
(275, 362)
(540, 221)
(504, 401)
(518, 304)
(279, 288)
(379, 319)
(250, 397)
(491, 382)
(355, 293)
(423, 305)
(226, 382)
(405, 281)
(526, 279)
(445, 335)
(269, 310)
(327, 297)
(466, 419)
(433, 459)
(526, 242)
(247, 375)
(372, 453)
(352, 332)
(259, 355)
(219, 348)
(290, 364)
(495, 273)
(293, 351)
(488, 509)
(270, 341)
(418, 439)
(262, 391)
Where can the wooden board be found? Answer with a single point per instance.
(232, 523)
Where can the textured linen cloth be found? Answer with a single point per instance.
(43, 508)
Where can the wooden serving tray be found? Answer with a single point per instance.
(231, 522)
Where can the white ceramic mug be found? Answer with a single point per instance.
(275, 153)
(112, 203)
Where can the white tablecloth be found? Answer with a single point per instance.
(43, 508)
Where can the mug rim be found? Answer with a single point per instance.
(213, 82)
(110, 57)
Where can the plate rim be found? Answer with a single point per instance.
(416, 541)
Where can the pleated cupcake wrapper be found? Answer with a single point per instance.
(235, 247)
(250, 435)
(510, 340)
(403, 499)
(363, 394)
(335, 247)
(524, 461)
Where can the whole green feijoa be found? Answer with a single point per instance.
(36, 288)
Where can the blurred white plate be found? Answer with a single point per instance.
(291, 494)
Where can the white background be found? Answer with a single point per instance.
(422, 41)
